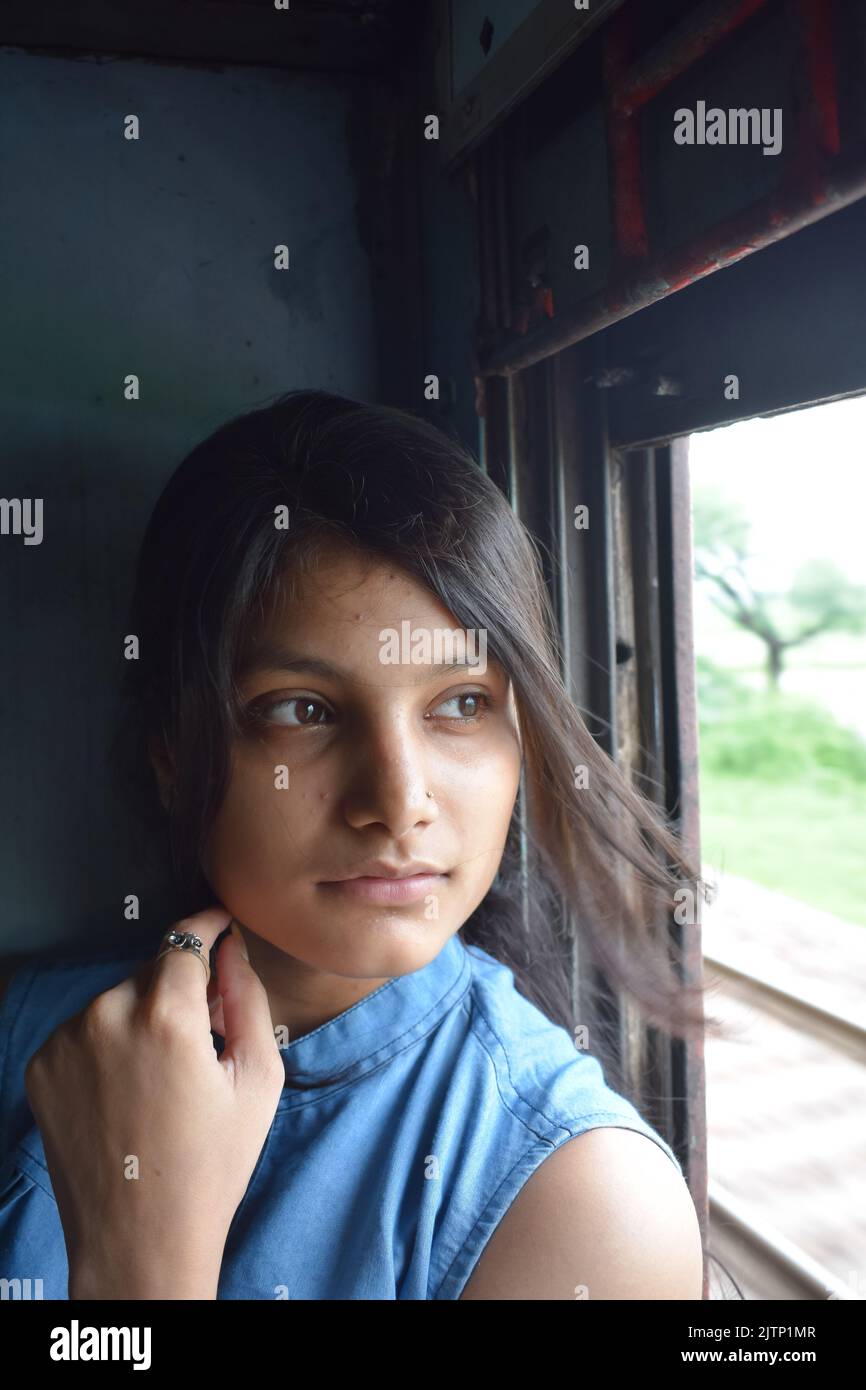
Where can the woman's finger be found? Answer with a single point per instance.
(248, 1029)
(184, 982)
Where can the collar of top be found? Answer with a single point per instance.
(365, 1035)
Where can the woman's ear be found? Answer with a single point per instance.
(163, 765)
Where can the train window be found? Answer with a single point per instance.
(780, 640)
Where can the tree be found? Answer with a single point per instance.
(821, 598)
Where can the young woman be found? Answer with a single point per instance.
(343, 666)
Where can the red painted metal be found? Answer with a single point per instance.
(816, 18)
(631, 239)
(629, 87)
(700, 31)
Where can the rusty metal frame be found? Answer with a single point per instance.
(819, 179)
(680, 715)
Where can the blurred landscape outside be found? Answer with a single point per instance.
(779, 515)
(779, 506)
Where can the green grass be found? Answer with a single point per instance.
(805, 840)
(783, 794)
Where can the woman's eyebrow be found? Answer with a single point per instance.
(270, 656)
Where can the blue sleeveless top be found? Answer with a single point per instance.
(386, 1185)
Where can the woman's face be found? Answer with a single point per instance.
(334, 776)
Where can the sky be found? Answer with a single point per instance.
(801, 477)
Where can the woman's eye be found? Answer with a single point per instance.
(479, 704)
(302, 704)
(301, 711)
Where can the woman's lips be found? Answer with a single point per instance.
(388, 890)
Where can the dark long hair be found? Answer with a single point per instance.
(392, 485)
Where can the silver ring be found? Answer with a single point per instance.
(185, 941)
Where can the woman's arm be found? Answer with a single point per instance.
(607, 1216)
(165, 1270)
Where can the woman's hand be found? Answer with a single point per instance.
(150, 1138)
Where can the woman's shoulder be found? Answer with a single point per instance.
(603, 1217)
(40, 992)
(541, 1127)
(65, 976)
(54, 979)
(556, 1089)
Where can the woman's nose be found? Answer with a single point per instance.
(390, 787)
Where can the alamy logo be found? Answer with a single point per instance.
(737, 126)
(76, 1343)
(433, 645)
(22, 516)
